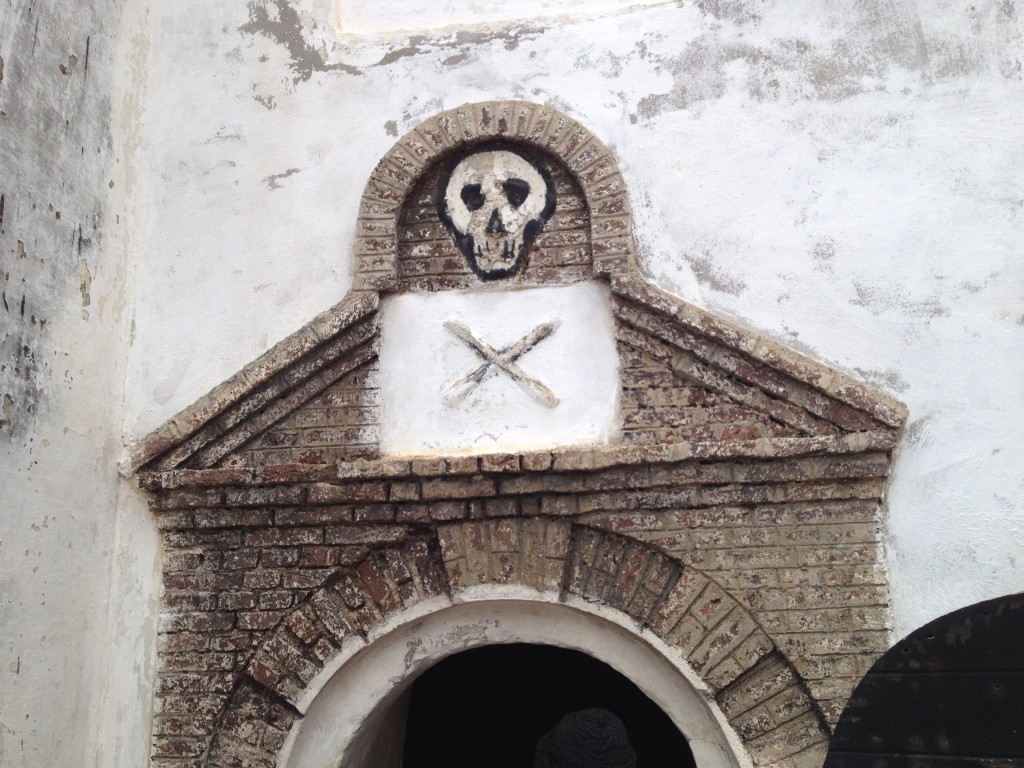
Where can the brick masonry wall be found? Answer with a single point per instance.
(660, 406)
(223, 425)
(789, 542)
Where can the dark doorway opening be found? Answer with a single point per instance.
(486, 708)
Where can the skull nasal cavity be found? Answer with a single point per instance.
(473, 196)
(494, 225)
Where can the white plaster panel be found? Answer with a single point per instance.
(421, 361)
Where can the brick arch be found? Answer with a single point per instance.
(544, 128)
(753, 685)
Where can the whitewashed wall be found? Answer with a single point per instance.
(844, 177)
(78, 549)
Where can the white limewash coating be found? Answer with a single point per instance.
(423, 361)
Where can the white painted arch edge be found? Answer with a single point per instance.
(349, 691)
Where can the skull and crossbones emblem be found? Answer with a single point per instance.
(495, 202)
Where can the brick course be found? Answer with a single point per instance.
(728, 560)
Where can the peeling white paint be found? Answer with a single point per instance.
(802, 169)
(843, 179)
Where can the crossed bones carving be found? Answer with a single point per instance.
(502, 359)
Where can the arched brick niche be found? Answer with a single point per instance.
(743, 486)
(397, 242)
(751, 695)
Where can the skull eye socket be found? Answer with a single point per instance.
(473, 196)
(516, 190)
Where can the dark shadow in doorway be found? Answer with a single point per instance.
(486, 708)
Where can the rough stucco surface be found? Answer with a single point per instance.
(845, 178)
(74, 595)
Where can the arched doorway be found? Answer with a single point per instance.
(490, 705)
(358, 717)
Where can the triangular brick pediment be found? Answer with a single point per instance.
(339, 424)
(695, 450)
(663, 405)
(325, 362)
(725, 382)
(686, 376)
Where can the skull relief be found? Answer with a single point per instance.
(495, 202)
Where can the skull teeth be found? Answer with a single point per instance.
(488, 249)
